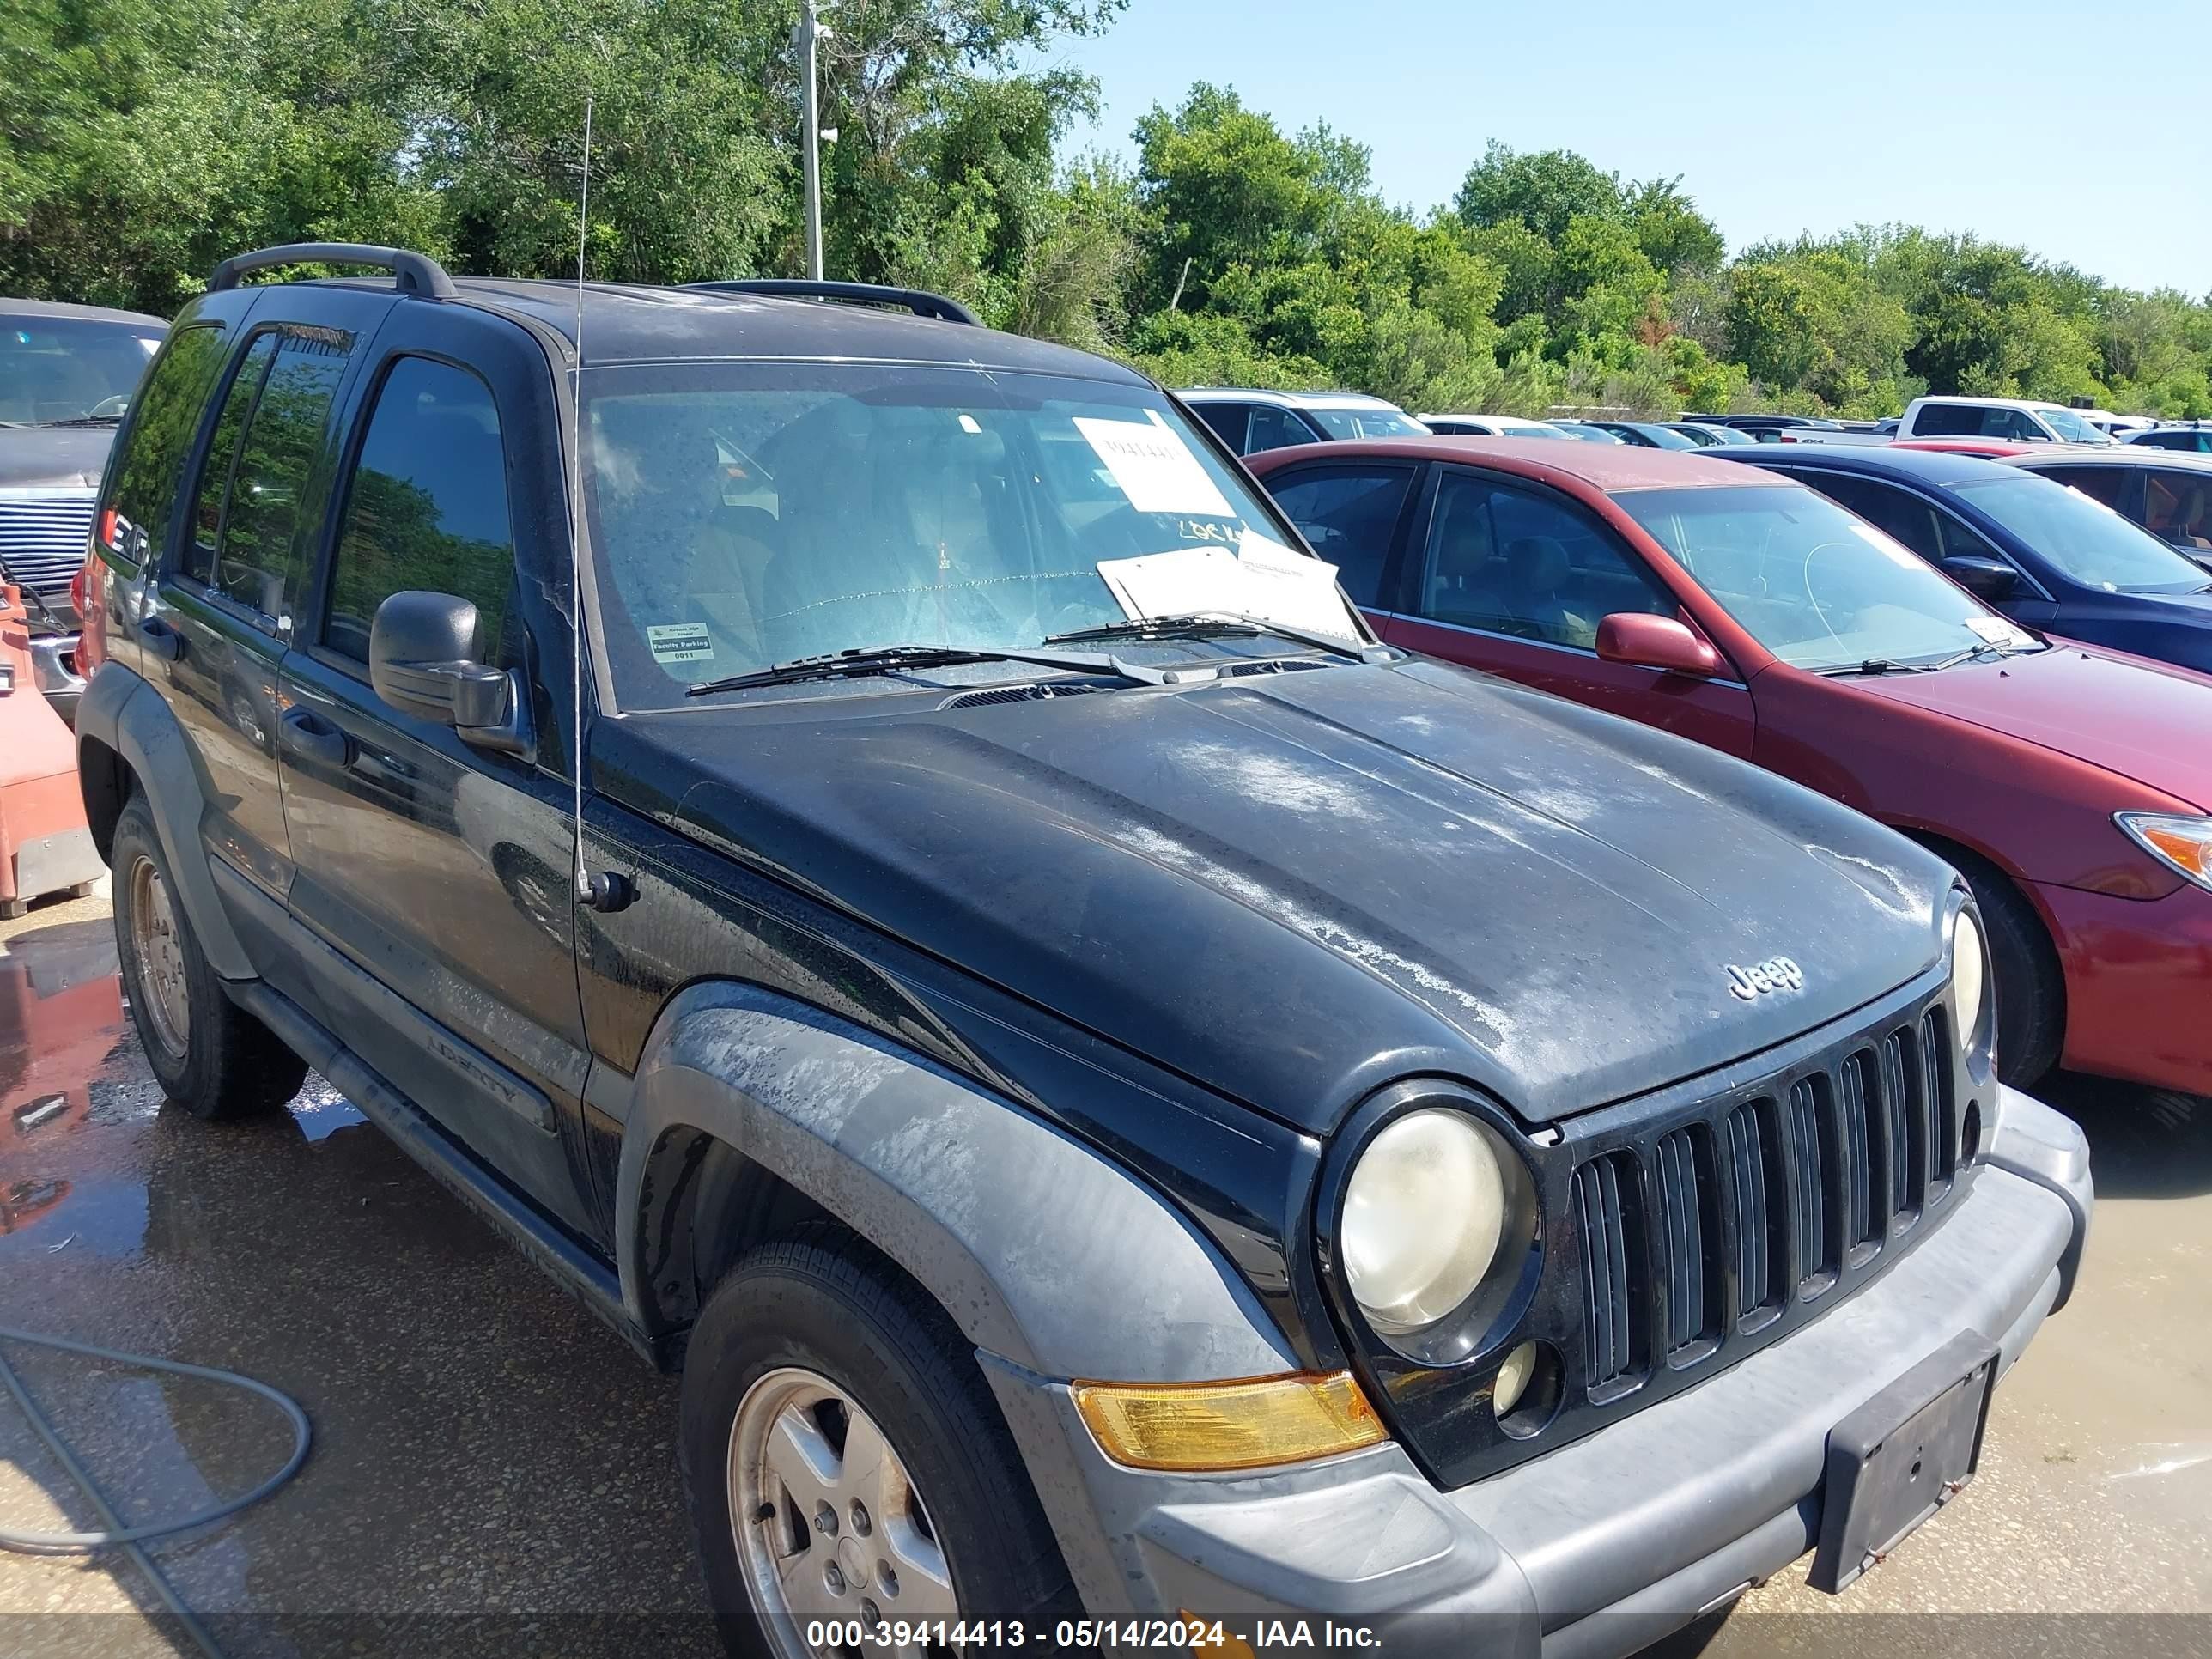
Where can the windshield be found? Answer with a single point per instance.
(1817, 586)
(2072, 428)
(70, 369)
(747, 515)
(1367, 423)
(2083, 538)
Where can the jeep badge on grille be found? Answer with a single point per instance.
(1774, 973)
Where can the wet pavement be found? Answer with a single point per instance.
(494, 1472)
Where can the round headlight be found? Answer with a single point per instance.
(1423, 1214)
(1969, 968)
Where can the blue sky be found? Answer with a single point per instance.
(2082, 131)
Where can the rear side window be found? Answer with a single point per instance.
(1275, 429)
(144, 484)
(1348, 514)
(427, 505)
(1228, 422)
(245, 542)
(2098, 483)
(1947, 421)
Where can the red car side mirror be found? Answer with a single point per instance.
(1661, 642)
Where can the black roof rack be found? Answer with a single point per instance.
(920, 302)
(413, 273)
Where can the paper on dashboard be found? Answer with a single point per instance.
(1262, 578)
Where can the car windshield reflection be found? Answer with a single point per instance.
(1821, 589)
(744, 515)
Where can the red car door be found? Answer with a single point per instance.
(1514, 578)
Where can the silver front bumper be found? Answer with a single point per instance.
(1608, 1543)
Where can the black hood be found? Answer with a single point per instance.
(53, 457)
(1296, 887)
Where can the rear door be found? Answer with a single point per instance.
(1511, 577)
(221, 617)
(433, 875)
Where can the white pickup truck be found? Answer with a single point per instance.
(2019, 419)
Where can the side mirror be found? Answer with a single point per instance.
(1984, 578)
(1661, 642)
(423, 651)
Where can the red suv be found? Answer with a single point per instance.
(2070, 785)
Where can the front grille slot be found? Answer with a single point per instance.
(1942, 1101)
(1819, 1171)
(1706, 1230)
(1608, 1207)
(1688, 1218)
(42, 542)
(1760, 1197)
(1858, 1118)
(1044, 693)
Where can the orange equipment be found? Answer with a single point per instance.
(45, 845)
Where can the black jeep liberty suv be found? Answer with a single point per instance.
(1125, 1098)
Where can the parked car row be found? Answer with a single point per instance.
(1130, 1089)
(66, 376)
(2069, 783)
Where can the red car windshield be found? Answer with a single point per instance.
(1815, 584)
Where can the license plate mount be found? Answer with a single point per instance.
(1901, 1456)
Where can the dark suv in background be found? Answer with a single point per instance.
(66, 376)
(1126, 1097)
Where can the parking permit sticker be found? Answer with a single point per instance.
(1154, 467)
(673, 642)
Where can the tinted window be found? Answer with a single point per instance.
(259, 563)
(1935, 535)
(68, 369)
(1344, 424)
(2178, 508)
(2199, 441)
(1227, 420)
(197, 560)
(1947, 421)
(1275, 429)
(144, 484)
(1348, 514)
(2089, 543)
(427, 505)
(2098, 483)
(1513, 561)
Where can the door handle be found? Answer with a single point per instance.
(163, 640)
(309, 736)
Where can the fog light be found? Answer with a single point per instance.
(1513, 1379)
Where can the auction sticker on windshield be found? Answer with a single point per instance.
(1154, 467)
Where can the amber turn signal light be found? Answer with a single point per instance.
(1246, 1424)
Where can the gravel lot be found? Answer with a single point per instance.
(494, 1471)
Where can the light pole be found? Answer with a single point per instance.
(806, 39)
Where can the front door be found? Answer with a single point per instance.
(1514, 578)
(439, 871)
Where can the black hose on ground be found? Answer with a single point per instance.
(114, 1534)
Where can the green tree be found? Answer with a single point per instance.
(1543, 191)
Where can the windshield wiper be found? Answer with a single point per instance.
(1220, 624)
(87, 419)
(1972, 651)
(1880, 666)
(888, 658)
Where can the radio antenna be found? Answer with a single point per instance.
(607, 891)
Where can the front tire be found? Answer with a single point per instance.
(210, 1055)
(844, 1459)
(2031, 987)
